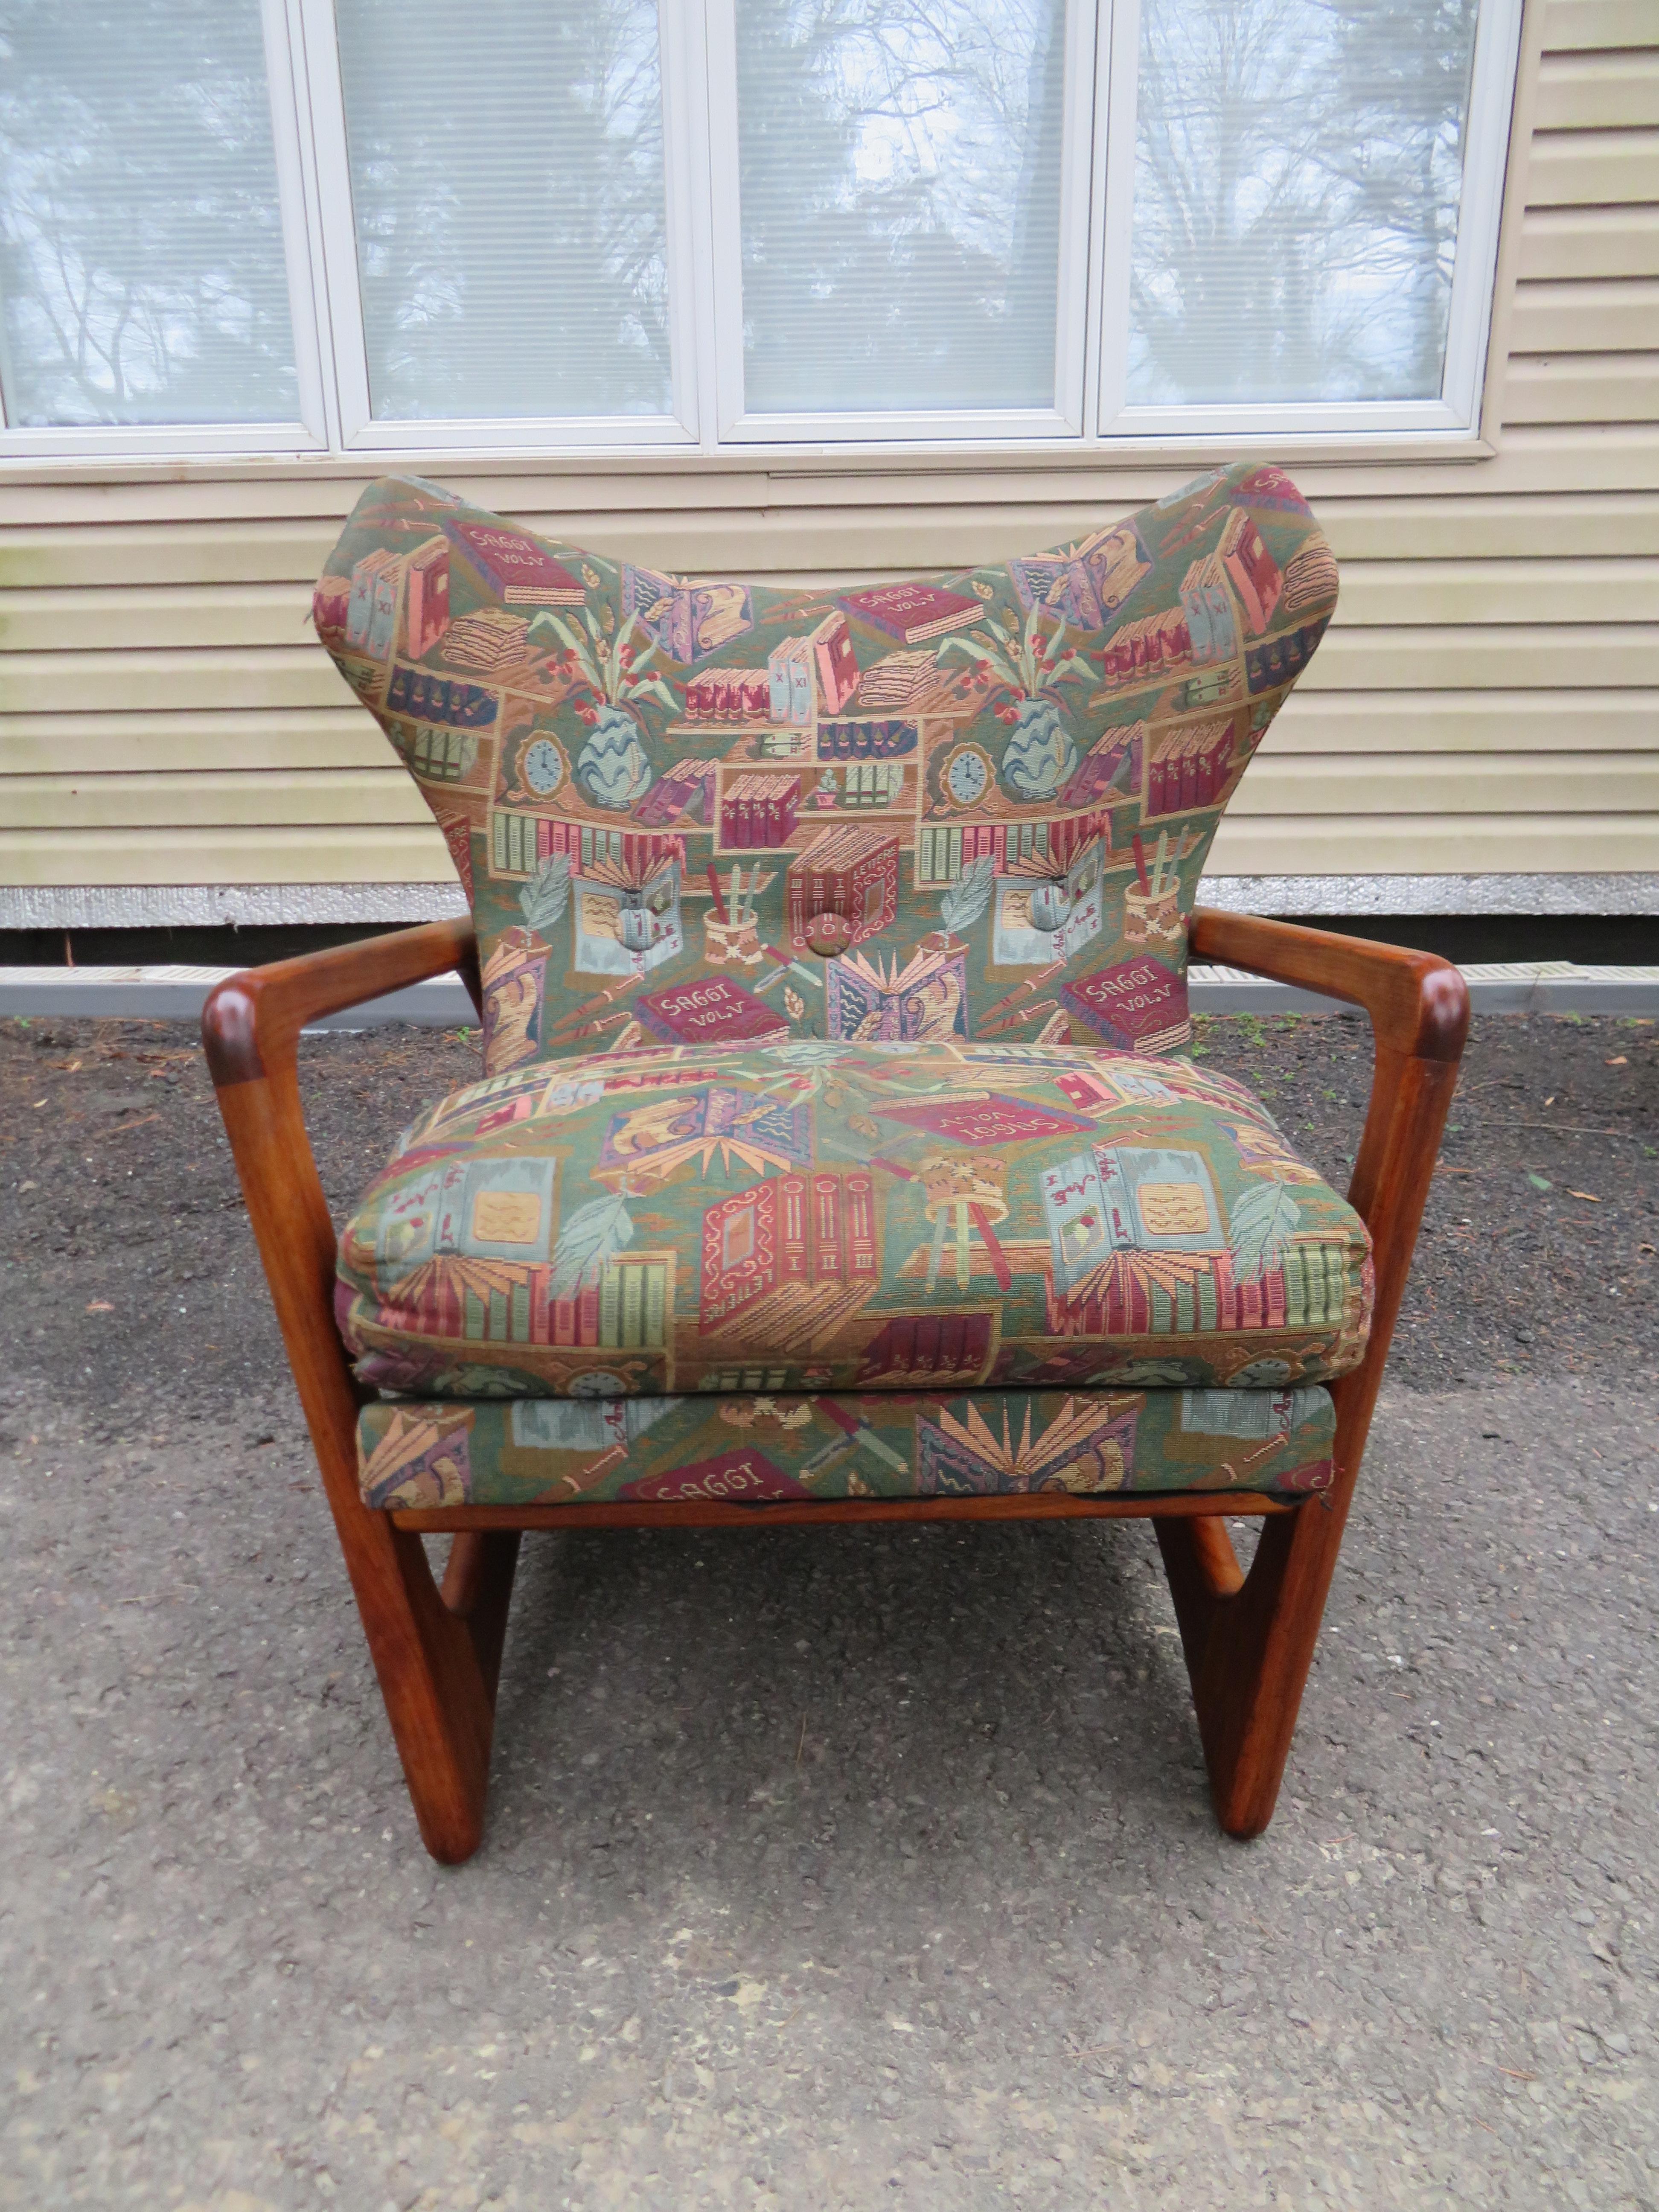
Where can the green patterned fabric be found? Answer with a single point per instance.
(746, 1449)
(809, 1215)
(828, 941)
(700, 811)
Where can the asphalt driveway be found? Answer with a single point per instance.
(871, 1867)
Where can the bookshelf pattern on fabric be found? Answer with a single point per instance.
(901, 1209)
(966, 731)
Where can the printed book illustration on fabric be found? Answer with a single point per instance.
(564, 1451)
(999, 787)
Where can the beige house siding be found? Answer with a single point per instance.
(1487, 702)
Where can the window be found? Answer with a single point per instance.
(1299, 190)
(146, 253)
(510, 209)
(895, 234)
(293, 225)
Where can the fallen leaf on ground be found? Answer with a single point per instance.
(1540, 1182)
(1590, 1194)
(1619, 1059)
(100, 1305)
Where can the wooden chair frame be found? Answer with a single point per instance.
(1248, 1639)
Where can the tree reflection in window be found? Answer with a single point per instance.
(141, 271)
(900, 171)
(507, 178)
(1297, 183)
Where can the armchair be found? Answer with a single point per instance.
(1248, 1639)
(832, 1158)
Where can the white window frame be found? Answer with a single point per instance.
(707, 414)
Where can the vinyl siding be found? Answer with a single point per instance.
(1488, 700)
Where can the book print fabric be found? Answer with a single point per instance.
(811, 1216)
(746, 1450)
(997, 786)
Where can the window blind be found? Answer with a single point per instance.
(899, 183)
(141, 270)
(507, 181)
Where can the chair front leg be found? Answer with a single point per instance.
(437, 1660)
(1249, 1639)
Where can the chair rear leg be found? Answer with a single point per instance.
(1248, 1640)
(477, 1587)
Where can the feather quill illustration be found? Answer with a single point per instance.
(968, 898)
(1264, 1221)
(594, 1233)
(544, 897)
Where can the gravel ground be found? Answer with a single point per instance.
(826, 1868)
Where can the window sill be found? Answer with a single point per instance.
(1068, 458)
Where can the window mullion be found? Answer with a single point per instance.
(722, 275)
(687, 139)
(334, 231)
(1115, 191)
(297, 189)
(1071, 318)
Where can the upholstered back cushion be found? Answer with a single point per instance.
(999, 786)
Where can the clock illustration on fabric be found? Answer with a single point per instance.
(541, 767)
(967, 774)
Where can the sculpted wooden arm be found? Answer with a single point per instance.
(437, 1656)
(1418, 1005)
(1419, 1012)
(251, 1028)
(251, 1022)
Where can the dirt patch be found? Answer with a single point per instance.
(129, 1267)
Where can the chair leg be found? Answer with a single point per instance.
(437, 1671)
(477, 1587)
(1248, 1640)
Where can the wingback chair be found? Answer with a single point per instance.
(836, 1156)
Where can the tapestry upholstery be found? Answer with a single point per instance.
(745, 1449)
(813, 1215)
(698, 811)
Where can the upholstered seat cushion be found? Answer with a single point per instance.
(811, 1216)
(748, 1450)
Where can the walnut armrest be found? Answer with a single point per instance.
(253, 1021)
(251, 1028)
(1419, 1011)
(1418, 1004)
